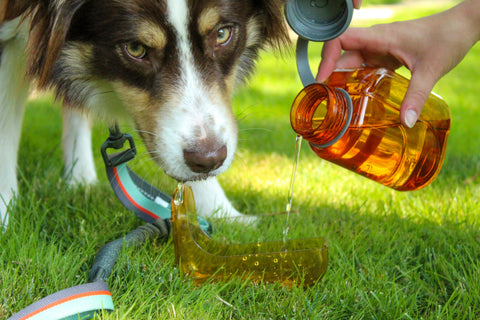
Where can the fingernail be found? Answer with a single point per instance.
(411, 118)
(359, 3)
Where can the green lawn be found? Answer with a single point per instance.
(392, 255)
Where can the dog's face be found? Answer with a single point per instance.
(170, 64)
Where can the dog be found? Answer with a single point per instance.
(170, 66)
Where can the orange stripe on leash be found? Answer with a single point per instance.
(139, 207)
(67, 299)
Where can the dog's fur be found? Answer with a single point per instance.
(169, 65)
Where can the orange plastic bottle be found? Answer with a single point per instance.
(375, 143)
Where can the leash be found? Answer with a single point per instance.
(80, 302)
(146, 202)
(137, 195)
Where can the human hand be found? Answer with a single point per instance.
(429, 47)
(357, 3)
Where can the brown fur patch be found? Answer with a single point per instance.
(207, 20)
(254, 32)
(152, 35)
(10, 9)
(3, 10)
(49, 29)
(231, 81)
(141, 107)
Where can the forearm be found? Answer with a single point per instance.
(467, 13)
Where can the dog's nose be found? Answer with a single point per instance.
(203, 159)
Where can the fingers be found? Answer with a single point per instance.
(350, 59)
(361, 45)
(330, 54)
(421, 84)
(357, 4)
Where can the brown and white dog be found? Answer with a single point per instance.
(169, 65)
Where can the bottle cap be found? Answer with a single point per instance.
(319, 20)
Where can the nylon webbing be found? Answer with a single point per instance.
(80, 302)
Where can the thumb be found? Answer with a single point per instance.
(421, 84)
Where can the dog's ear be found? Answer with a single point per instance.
(50, 25)
(3, 10)
(10, 9)
(275, 26)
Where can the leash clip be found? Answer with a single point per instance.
(116, 141)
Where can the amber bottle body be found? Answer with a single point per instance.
(375, 144)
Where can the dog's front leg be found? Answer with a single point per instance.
(11, 115)
(211, 201)
(77, 147)
(14, 88)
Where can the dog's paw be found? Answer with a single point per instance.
(81, 176)
(77, 148)
(5, 199)
(210, 201)
(3, 217)
(234, 216)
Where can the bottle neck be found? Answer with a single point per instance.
(321, 114)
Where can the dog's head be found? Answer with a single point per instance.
(170, 64)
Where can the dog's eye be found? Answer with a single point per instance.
(224, 35)
(135, 50)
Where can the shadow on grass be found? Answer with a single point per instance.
(388, 263)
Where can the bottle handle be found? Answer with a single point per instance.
(307, 78)
(303, 66)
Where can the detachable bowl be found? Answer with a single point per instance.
(291, 262)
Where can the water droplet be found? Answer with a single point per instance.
(179, 195)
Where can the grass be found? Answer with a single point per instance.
(392, 255)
